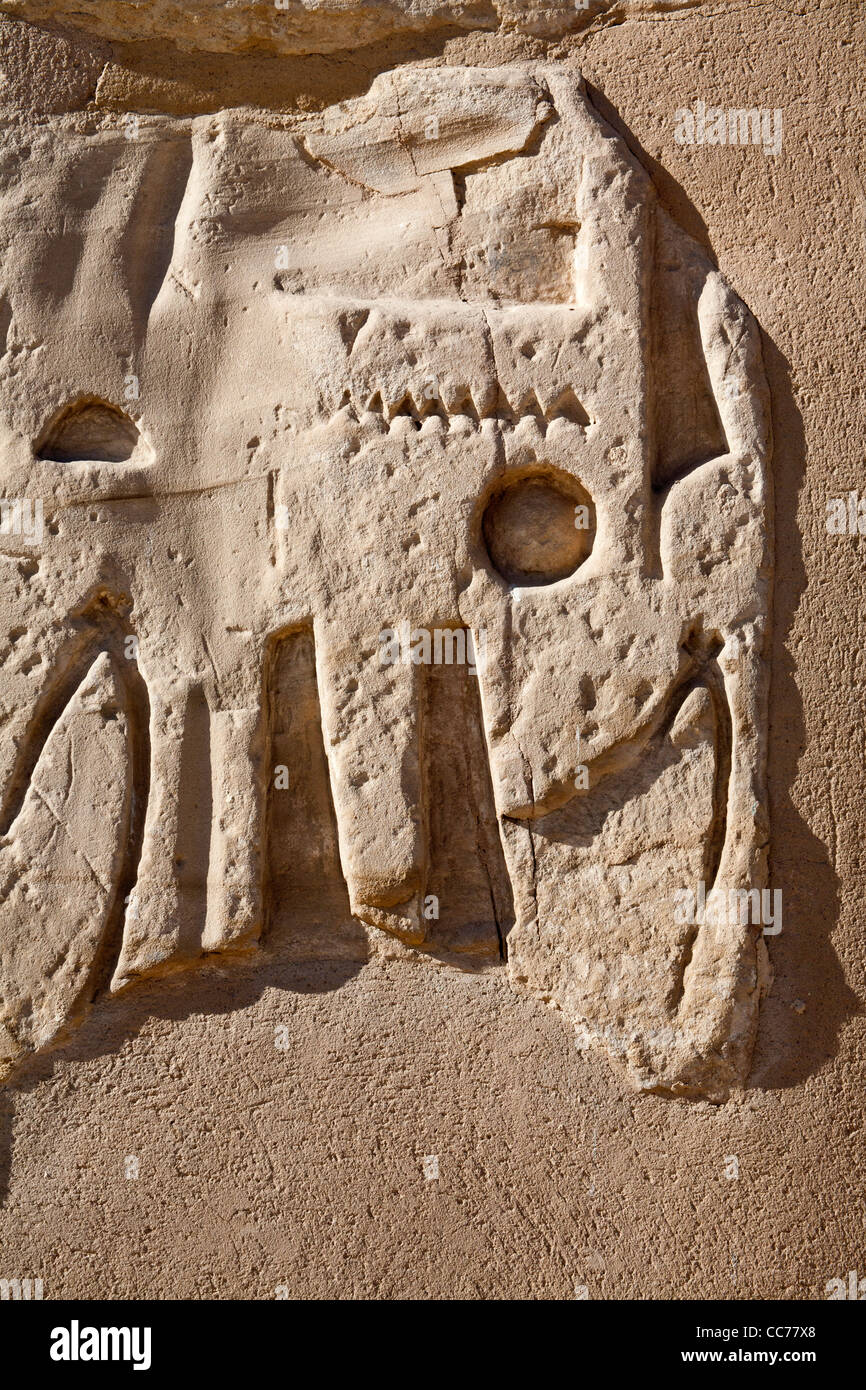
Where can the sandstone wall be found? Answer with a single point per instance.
(289, 366)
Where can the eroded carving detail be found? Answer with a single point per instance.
(442, 323)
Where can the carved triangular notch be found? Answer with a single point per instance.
(90, 430)
(568, 407)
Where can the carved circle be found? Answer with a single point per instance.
(538, 527)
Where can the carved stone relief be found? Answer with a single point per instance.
(403, 468)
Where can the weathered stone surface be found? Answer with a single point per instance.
(314, 360)
(60, 866)
(449, 435)
(317, 26)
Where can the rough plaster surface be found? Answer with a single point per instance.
(585, 1145)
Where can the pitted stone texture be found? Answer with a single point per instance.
(316, 26)
(310, 359)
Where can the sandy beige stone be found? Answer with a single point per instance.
(305, 392)
(319, 26)
(335, 457)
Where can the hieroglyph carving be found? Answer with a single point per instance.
(432, 362)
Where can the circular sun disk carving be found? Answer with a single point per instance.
(539, 528)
